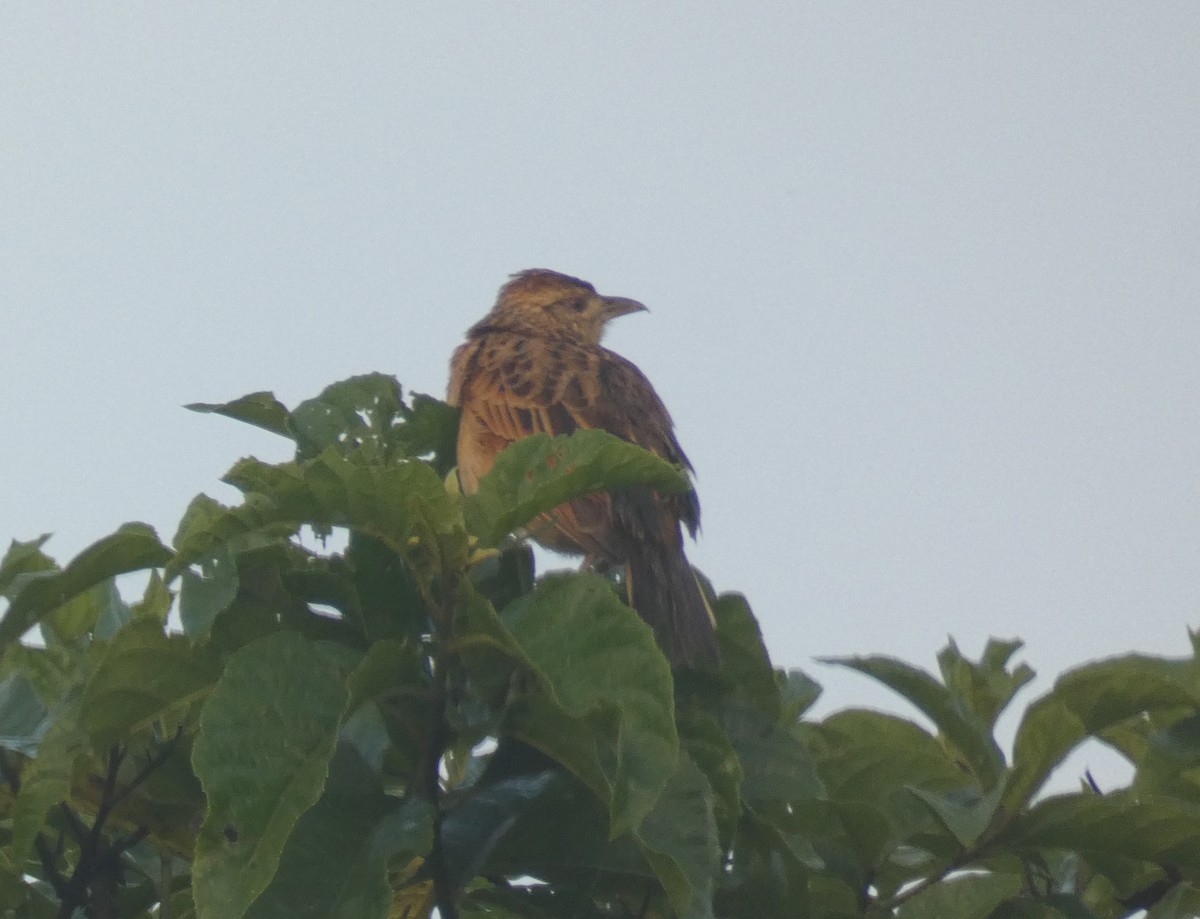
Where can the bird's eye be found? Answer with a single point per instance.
(578, 306)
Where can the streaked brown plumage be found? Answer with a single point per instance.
(535, 364)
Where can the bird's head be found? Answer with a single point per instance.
(555, 305)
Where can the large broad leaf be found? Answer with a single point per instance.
(365, 415)
(679, 840)
(1087, 701)
(267, 733)
(871, 763)
(961, 727)
(260, 409)
(132, 548)
(143, 676)
(602, 700)
(336, 861)
(1165, 831)
(394, 503)
(355, 415)
(972, 896)
(536, 474)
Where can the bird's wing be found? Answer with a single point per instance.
(512, 386)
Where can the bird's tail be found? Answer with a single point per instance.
(664, 590)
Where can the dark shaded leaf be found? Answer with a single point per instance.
(1183, 902)
(679, 840)
(473, 829)
(430, 430)
(709, 747)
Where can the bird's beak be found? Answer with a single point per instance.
(621, 306)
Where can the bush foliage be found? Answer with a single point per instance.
(414, 721)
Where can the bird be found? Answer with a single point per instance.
(534, 364)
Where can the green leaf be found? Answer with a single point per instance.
(706, 742)
(336, 860)
(156, 600)
(776, 763)
(260, 409)
(961, 727)
(1170, 761)
(23, 719)
(132, 548)
(204, 595)
(746, 667)
(872, 762)
(474, 828)
(679, 840)
(47, 779)
(114, 611)
(69, 623)
(356, 415)
(601, 700)
(389, 595)
(1165, 831)
(797, 692)
(23, 558)
(1183, 902)
(267, 733)
(143, 676)
(560, 835)
(536, 474)
(1087, 701)
(965, 813)
(970, 896)
(430, 430)
(985, 688)
(52, 671)
(394, 503)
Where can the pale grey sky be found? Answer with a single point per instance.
(924, 278)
